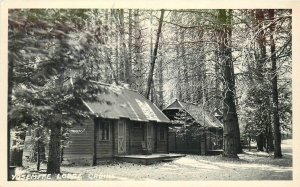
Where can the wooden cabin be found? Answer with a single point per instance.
(124, 123)
(203, 131)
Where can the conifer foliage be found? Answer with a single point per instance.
(49, 73)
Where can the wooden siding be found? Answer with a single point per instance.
(155, 138)
(172, 142)
(115, 138)
(127, 122)
(187, 144)
(162, 145)
(80, 143)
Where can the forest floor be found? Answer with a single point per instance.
(252, 165)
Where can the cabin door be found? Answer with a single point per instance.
(121, 137)
(149, 136)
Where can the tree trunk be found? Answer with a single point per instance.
(138, 53)
(123, 61)
(260, 142)
(9, 103)
(232, 87)
(231, 125)
(249, 143)
(268, 131)
(117, 75)
(128, 65)
(178, 84)
(218, 75)
(276, 124)
(150, 76)
(261, 41)
(160, 101)
(270, 137)
(185, 68)
(38, 159)
(260, 70)
(177, 66)
(53, 165)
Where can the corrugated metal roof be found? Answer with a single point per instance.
(120, 102)
(201, 116)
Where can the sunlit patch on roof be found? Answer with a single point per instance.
(147, 110)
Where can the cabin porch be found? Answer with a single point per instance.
(146, 138)
(149, 159)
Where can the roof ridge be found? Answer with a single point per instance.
(187, 102)
(169, 105)
(206, 114)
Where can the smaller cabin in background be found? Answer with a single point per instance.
(197, 131)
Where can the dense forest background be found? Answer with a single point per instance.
(242, 58)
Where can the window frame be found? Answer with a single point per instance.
(101, 124)
(136, 125)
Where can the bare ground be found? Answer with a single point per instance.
(252, 165)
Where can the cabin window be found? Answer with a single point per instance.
(104, 130)
(137, 125)
(162, 133)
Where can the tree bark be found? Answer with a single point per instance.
(185, 67)
(9, 103)
(231, 125)
(260, 70)
(128, 65)
(217, 80)
(150, 76)
(232, 87)
(160, 100)
(38, 159)
(270, 137)
(276, 123)
(138, 53)
(260, 142)
(54, 157)
(261, 41)
(177, 66)
(151, 54)
(123, 61)
(53, 165)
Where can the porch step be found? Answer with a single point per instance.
(215, 152)
(167, 160)
(149, 159)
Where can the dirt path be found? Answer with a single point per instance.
(251, 166)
